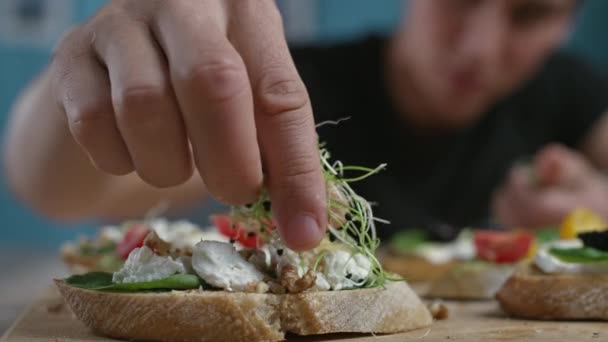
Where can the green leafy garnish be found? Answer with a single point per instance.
(409, 240)
(358, 229)
(102, 281)
(580, 255)
(547, 234)
(91, 280)
(475, 264)
(110, 263)
(350, 217)
(89, 248)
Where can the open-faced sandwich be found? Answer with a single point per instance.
(108, 251)
(497, 253)
(223, 292)
(474, 265)
(417, 257)
(568, 279)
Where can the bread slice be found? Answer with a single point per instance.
(78, 263)
(392, 309)
(530, 293)
(231, 316)
(415, 268)
(470, 281)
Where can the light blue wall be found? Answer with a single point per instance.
(590, 38)
(335, 19)
(20, 63)
(346, 19)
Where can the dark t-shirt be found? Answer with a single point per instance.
(447, 178)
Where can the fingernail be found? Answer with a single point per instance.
(302, 233)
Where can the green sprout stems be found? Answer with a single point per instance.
(357, 227)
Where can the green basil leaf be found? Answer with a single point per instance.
(89, 248)
(174, 282)
(580, 255)
(547, 234)
(91, 280)
(474, 265)
(409, 240)
(108, 248)
(103, 282)
(110, 263)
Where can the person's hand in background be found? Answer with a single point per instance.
(158, 87)
(543, 193)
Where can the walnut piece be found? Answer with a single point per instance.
(158, 245)
(259, 287)
(275, 287)
(439, 310)
(164, 248)
(293, 283)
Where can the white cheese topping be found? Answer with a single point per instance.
(343, 270)
(111, 233)
(338, 267)
(549, 263)
(180, 234)
(321, 283)
(220, 265)
(143, 265)
(440, 253)
(183, 234)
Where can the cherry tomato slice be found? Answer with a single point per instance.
(237, 232)
(134, 238)
(502, 247)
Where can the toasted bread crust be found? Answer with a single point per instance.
(414, 268)
(176, 316)
(470, 282)
(223, 316)
(531, 294)
(391, 309)
(78, 263)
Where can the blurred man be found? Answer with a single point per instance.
(460, 92)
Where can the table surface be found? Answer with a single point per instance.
(24, 280)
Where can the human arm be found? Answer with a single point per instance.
(162, 88)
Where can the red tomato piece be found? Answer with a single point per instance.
(134, 238)
(237, 232)
(502, 247)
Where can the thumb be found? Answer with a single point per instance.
(557, 165)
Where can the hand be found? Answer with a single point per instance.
(159, 86)
(558, 181)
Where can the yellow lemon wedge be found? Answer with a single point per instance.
(532, 250)
(581, 220)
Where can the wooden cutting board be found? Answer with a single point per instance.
(50, 320)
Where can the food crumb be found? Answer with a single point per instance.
(55, 308)
(262, 287)
(439, 310)
(596, 335)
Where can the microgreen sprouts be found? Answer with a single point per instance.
(350, 217)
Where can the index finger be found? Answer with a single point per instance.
(285, 125)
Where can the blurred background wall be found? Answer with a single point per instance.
(30, 28)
